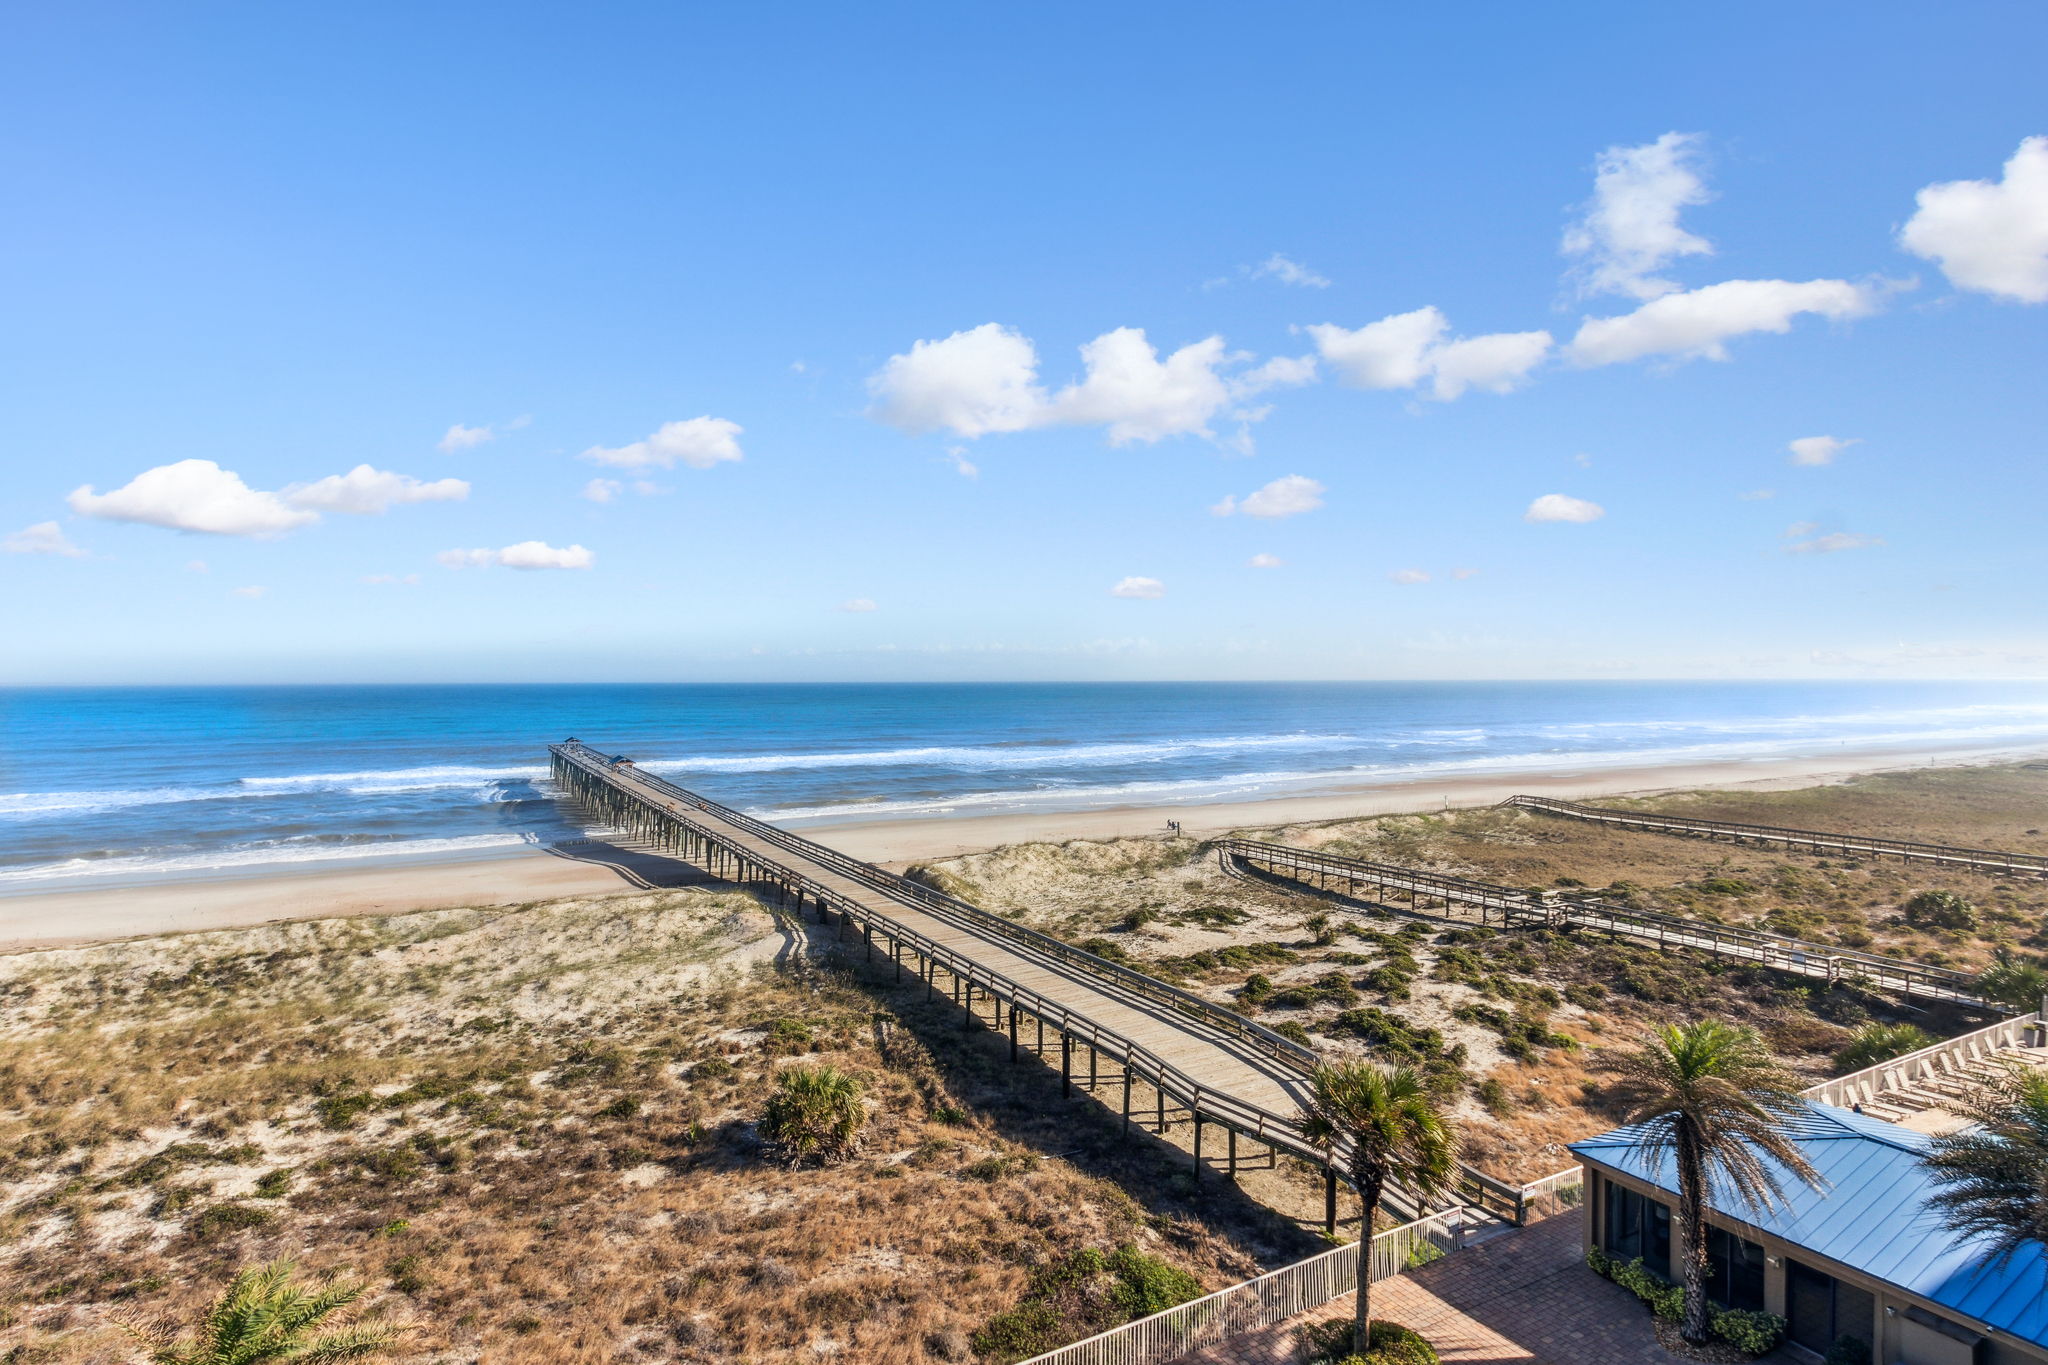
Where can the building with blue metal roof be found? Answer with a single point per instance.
(1864, 1256)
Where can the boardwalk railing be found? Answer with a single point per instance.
(1463, 899)
(587, 774)
(1930, 1063)
(1983, 860)
(1265, 1302)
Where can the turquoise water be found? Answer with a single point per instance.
(145, 783)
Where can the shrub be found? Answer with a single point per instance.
(1086, 1293)
(1876, 1043)
(815, 1112)
(1258, 987)
(1330, 988)
(1725, 886)
(1939, 910)
(342, 1111)
(222, 1218)
(1387, 1343)
(2013, 981)
(1848, 1350)
(624, 1107)
(1321, 930)
(274, 1184)
(1292, 1032)
(1494, 1098)
(1753, 1332)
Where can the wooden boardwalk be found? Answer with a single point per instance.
(1233, 1078)
(1474, 902)
(1812, 841)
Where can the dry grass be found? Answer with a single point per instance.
(1166, 905)
(532, 1128)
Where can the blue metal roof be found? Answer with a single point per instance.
(1872, 1215)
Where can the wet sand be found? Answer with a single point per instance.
(95, 913)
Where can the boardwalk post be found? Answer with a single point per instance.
(1233, 1152)
(1013, 1030)
(1198, 1149)
(1127, 1097)
(1066, 1064)
(1330, 1201)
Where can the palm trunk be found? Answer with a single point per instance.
(1361, 1323)
(1692, 1216)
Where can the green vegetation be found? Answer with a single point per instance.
(816, 1113)
(2014, 981)
(1080, 1295)
(1994, 1176)
(1329, 1343)
(1876, 1043)
(1385, 1127)
(1712, 1098)
(266, 1314)
(1939, 910)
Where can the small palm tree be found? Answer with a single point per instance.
(1713, 1097)
(815, 1112)
(1876, 1043)
(1383, 1126)
(2013, 981)
(265, 1314)
(1995, 1175)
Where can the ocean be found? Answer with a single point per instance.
(100, 785)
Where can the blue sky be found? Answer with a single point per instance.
(631, 342)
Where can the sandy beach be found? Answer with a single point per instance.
(91, 913)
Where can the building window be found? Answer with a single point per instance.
(1638, 1226)
(1820, 1309)
(1735, 1271)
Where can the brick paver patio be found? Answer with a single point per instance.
(1523, 1298)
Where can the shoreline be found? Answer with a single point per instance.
(76, 915)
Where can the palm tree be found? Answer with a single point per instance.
(816, 1111)
(1996, 1174)
(1874, 1043)
(1714, 1097)
(2013, 981)
(1383, 1126)
(264, 1315)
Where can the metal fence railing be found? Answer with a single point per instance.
(1267, 1301)
(1981, 859)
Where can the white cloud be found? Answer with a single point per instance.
(1462, 574)
(1265, 561)
(1128, 388)
(1279, 267)
(985, 380)
(971, 383)
(1801, 528)
(1409, 576)
(365, 491)
(602, 490)
(1288, 496)
(1583, 460)
(410, 580)
(194, 495)
(43, 538)
(527, 554)
(857, 604)
(1558, 507)
(1832, 543)
(1401, 350)
(1817, 450)
(1699, 322)
(1138, 587)
(1498, 362)
(1758, 495)
(1630, 227)
(250, 592)
(198, 566)
(964, 467)
(460, 437)
(699, 442)
(1992, 238)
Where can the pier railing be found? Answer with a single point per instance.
(1979, 859)
(584, 772)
